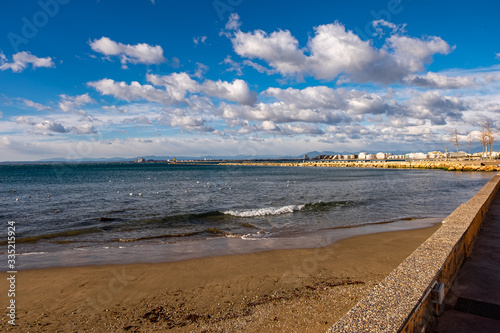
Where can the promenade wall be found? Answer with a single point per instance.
(403, 301)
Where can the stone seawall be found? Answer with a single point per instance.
(445, 165)
(450, 166)
(402, 302)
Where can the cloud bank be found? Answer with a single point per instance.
(333, 51)
(175, 88)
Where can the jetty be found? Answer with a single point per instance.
(489, 165)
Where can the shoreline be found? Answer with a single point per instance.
(275, 290)
(152, 252)
(482, 166)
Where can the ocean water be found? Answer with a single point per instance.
(89, 209)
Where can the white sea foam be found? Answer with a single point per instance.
(264, 211)
(232, 236)
(260, 234)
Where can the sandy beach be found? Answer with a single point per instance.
(302, 290)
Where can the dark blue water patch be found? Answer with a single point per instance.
(85, 203)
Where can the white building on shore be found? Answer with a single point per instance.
(435, 154)
(396, 157)
(417, 156)
(370, 157)
(461, 154)
(383, 156)
(365, 156)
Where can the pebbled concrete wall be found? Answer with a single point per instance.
(402, 301)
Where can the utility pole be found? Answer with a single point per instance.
(454, 140)
(470, 145)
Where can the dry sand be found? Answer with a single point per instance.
(303, 290)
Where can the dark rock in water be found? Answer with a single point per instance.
(107, 219)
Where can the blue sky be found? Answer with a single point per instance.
(110, 78)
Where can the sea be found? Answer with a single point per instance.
(112, 213)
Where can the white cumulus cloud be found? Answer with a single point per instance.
(236, 91)
(413, 53)
(132, 91)
(69, 103)
(186, 121)
(258, 67)
(199, 40)
(288, 129)
(434, 80)
(84, 129)
(138, 120)
(233, 66)
(25, 120)
(279, 49)
(35, 105)
(141, 53)
(433, 106)
(379, 26)
(50, 126)
(335, 51)
(233, 23)
(21, 60)
(330, 103)
(176, 87)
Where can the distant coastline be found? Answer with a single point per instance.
(477, 165)
(444, 164)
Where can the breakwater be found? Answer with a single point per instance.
(444, 165)
(405, 300)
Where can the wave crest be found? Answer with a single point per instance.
(264, 211)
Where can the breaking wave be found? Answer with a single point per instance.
(264, 211)
(254, 212)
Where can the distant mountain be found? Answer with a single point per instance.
(310, 154)
(161, 158)
(316, 153)
(87, 159)
(214, 157)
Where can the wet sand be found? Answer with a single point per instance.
(301, 290)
